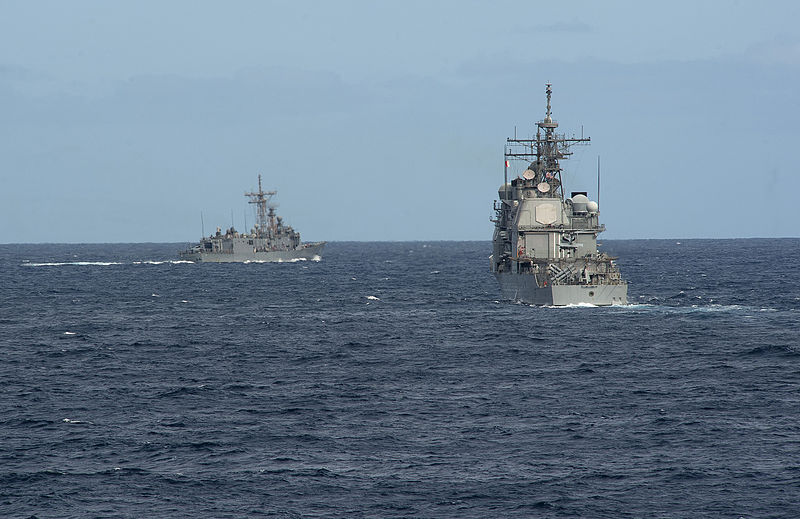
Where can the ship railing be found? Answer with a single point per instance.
(587, 224)
(576, 226)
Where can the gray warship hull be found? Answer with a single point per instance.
(524, 289)
(270, 240)
(311, 251)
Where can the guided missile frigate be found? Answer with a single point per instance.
(270, 240)
(545, 244)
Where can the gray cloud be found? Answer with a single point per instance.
(249, 96)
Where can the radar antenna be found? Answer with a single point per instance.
(261, 198)
(544, 152)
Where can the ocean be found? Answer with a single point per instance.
(389, 380)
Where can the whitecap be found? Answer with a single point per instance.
(70, 333)
(722, 308)
(373, 298)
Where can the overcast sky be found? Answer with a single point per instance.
(123, 121)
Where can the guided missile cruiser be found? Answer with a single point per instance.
(545, 244)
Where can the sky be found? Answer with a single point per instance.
(147, 121)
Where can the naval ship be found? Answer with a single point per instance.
(545, 244)
(269, 241)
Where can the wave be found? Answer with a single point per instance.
(69, 420)
(654, 305)
(774, 349)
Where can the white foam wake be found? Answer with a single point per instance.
(572, 305)
(78, 263)
(100, 263)
(168, 262)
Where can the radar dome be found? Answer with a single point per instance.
(592, 206)
(579, 203)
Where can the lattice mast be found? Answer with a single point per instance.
(265, 217)
(544, 152)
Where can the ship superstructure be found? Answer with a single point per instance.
(269, 240)
(545, 244)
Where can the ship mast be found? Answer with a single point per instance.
(260, 199)
(544, 152)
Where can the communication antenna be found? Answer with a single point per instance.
(545, 150)
(202, 225)
(598, 181)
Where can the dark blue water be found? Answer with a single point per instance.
(388, 380)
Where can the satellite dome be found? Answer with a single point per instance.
(592, 206)
(579, 203)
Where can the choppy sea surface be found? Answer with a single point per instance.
(389, 380)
